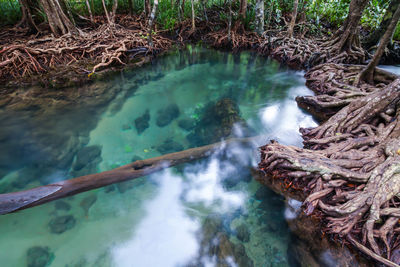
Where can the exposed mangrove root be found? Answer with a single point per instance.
(334, 89)
(350, 169)
(304, 53)
(12, 202)
(102, 47)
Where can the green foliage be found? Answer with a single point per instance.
(10, 12)
(321, 12)
(333, 12)
(167, 16)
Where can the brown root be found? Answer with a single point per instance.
(350, 169)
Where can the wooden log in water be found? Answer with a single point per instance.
(16, 201)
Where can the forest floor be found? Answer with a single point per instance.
(349, 167)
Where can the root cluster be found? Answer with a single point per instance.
(84, 53)
(304, 53)
(350, 166)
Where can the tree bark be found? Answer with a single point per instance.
(183, 9)
(59, 22)
(259, 16)
(147, 7)
(114, 11)
(12, 202)
(374, 37)
(89, 10)
(368, 73)
(230, 22)
(106, 12)
(243, 9)
(348, 33)
(131, 6)
(193, 16)
(151, 22)
(27, 8)
(294, 16)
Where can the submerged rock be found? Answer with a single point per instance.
(136, 158)
(109, 188)
(216, 246)
(242, 233)
(127, 185)
(166, 115)
(142, 122)
(61, 224)
(126, 127)
(88, 202)
(85, 156)
(38, 256)
(217, 122)
(62, 205)
(241, 257)
(169, 146)
(262, 193)
(87, 160)
(187, 124)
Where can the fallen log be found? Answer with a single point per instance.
(12, 202)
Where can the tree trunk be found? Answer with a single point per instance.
(183, 9)
(374, 37)
(106, 12)
(89, 10)
(59, 22)
(193, 16)
(259, 16)
(293, 21)
(230, 21)
(27, 11)
(243, 9)
(271, 8)
(368, 73)
(204, 6)
(151, 21)
(114, 11)
(348, 32)
(12, 202)
(147, 7)
(131, 6)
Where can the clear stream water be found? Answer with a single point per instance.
(206, 213)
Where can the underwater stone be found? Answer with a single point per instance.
(62, 205)
(262, 193)
(126, 127)
(241, 257)
(86, 155)
(242, 233)
(38, 256)
(61, 224)
(142, 122)
(187, 124)
(211, 226)
(127, 185)
(136, 158)
(216, 122)
(109, 188)
(169, 146)
(167, 115)
(87, 202)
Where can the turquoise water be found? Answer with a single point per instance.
(206, 213)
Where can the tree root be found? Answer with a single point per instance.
(350, 169)
(99, 48)
(333, 86)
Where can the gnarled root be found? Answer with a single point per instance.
(333, 86)
(350, 169)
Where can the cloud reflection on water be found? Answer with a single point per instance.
(167, 235)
